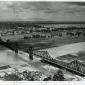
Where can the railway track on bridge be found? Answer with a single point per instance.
(56, 63)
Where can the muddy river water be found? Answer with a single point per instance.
(8, 57)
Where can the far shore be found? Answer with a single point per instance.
(49, 43)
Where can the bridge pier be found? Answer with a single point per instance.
(16, 48)
(16, 51)
(30, 51)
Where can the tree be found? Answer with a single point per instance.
(58, 76)
(48, 78)
(28, 76)
(12, 77)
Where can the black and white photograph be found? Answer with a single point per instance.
(42, 41)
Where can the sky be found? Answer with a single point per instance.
(42, 11)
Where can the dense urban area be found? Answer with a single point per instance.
(28, 31)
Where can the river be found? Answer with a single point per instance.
(8, 57)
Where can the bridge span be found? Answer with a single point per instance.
(74, 67)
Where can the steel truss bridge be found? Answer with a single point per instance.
(75, 66)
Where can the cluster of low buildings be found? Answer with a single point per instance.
(38, 31)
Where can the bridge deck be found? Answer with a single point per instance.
(61, 65)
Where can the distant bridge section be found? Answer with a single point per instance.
(11, 45)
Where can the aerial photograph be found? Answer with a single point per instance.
(42, 41)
